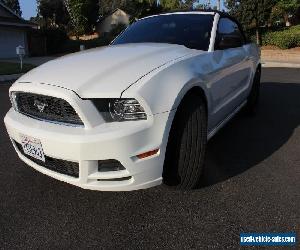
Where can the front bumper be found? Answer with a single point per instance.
(117, 141)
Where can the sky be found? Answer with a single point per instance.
(29, 7)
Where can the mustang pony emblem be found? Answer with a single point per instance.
(40, 105)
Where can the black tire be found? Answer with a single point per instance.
(253, 98)
(187, 144)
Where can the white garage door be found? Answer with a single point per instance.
(9, 40)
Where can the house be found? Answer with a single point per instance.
(13, 32)
(115, 18)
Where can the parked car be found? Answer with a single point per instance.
(140, 111)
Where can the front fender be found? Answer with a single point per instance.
(163, 89)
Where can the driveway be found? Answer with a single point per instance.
(251, 184)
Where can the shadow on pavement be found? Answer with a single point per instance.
(247, 141)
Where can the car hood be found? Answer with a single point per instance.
(105, 71)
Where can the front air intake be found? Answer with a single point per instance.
(56, 165)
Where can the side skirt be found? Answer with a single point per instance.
(225, 121)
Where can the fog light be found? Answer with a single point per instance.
(110, 166)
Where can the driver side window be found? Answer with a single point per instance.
(229, 35)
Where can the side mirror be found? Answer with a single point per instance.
(229, 41)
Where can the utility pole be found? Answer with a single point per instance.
(219, 5)
(208, 4)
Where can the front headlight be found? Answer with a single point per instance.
(120, 109)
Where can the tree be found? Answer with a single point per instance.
(53, 12)
(189, 4)
(83, 14)
(107, 6)
(142, 8)
(181, 4)
(286, 8)
(251, 13)
(78, 20)
(203, 6)
(135, 8)
(91, 12)
(170, 4)
(14, 5)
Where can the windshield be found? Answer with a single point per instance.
(190, 30)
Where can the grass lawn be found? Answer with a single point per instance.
(9, 68)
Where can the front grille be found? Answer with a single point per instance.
(56, 165)
(47, 108)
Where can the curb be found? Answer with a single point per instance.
(272, 64)
(4, 78)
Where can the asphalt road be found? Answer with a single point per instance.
(251, 184)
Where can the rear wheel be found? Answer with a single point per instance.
(253, 98)
(187, 144)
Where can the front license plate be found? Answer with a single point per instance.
(33, 147)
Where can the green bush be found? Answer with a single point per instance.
(285, 39)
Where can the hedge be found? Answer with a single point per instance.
(284, 39)
(73, 45)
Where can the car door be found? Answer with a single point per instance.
(232, 74)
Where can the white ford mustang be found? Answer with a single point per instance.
(140, 111)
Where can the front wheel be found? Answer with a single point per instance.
(187, 144)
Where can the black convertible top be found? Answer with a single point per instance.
(221, 13)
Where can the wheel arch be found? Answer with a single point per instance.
(185, 93)
(189, 94)
(197, 90)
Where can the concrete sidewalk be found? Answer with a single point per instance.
(281, 58)
(267, 64)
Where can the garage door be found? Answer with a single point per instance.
(9, 40)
